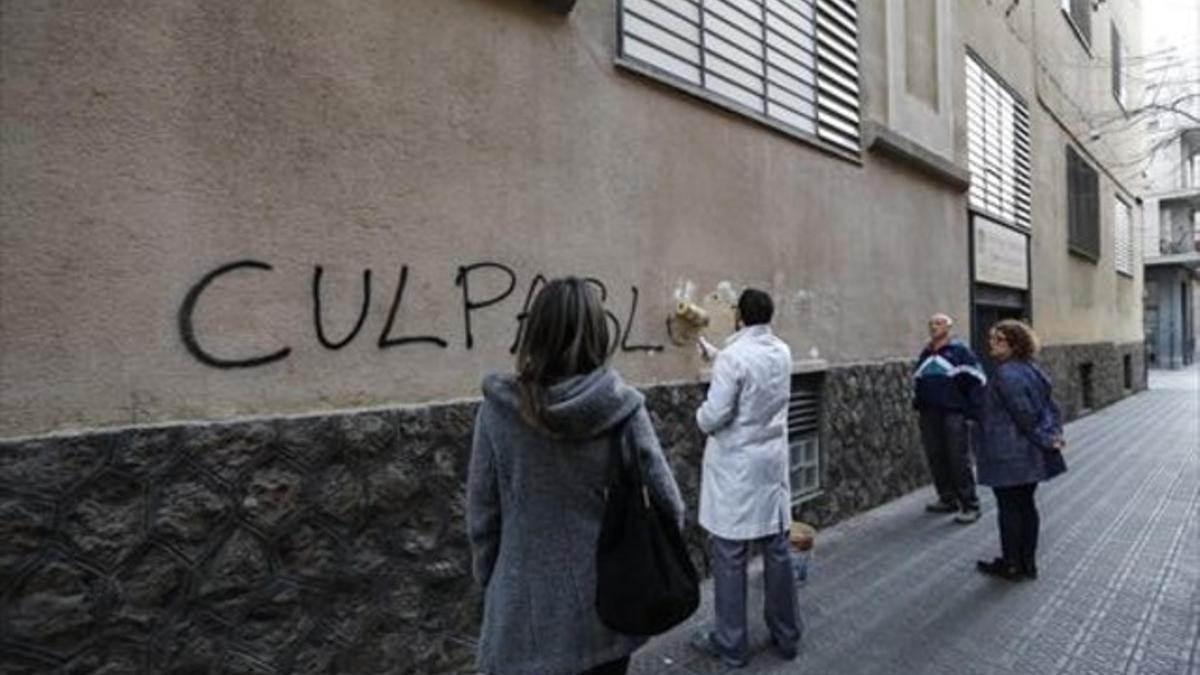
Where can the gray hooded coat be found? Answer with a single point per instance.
(534, 506)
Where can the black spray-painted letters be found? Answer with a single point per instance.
(471, 303)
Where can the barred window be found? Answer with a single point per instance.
(997, 147)
(792, 64)
(804, 440)
(1083, 206)
(1123, 238)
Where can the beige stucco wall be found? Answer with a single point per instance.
(144, 144)
(1067, 86)
(1084, 300)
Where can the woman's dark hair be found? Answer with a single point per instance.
(1020, 337)
(565, 333)
(755, 307)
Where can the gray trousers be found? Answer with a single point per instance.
(946, 437)
(780, 609)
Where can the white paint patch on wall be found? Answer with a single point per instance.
(726, 292)
(685, 290)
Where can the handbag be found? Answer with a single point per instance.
(645, 580)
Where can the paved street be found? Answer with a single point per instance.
(895, 590)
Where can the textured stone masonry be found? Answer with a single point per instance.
(1062, 363)
(332, 543)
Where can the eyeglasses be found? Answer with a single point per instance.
(998, 338)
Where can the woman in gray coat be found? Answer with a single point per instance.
(1022, 444)
(536, 490)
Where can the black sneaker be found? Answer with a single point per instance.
(1001, 569)
(703, 642)
(788, 653)
(940, 507)
(1029, 570)
(967, 515)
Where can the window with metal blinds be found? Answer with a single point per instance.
(1123, 238)
(997, 147)
(1083, 206)
(791, 63)
(804, 445)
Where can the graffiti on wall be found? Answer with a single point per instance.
(472, 302)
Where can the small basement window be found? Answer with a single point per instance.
(1085, 388)
(804, 436)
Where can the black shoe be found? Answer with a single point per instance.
(703, 642)
(940, 507)
(967, 516)
(1029, 570)
(1000, 568)
(788, 653)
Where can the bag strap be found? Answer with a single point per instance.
(618, 465)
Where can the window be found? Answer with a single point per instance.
(1189, 145)
(1083, 206)
(1080, 14)
(1123, 238)
(792, 64)
(1118, 68)
(804, 440)
(1087, 394)
(997, 147)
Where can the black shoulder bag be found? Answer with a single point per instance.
(645, 580)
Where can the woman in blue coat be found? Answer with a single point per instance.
(1021, 446)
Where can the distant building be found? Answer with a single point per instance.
(1172, 183)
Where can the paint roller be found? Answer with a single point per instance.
(691, 313)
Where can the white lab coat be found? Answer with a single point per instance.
(745, 491)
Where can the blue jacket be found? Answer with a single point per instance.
(949, 379)
(1019, 426)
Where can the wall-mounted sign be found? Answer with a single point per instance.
(1001, 255)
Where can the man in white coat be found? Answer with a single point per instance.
(745, 492)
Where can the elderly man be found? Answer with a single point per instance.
(949, 392)
(745, 493)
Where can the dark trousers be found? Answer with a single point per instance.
(945, 435)
(1019, 524)
(780, 610)
(617, 667)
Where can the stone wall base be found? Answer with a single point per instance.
(335, 543)
(1091, 376)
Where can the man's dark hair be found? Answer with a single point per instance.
(755, 307)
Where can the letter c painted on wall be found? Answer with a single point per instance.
(187, 329)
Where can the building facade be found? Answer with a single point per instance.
(255, 259)
(1172, 186)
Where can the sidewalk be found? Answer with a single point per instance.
(895, 590)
